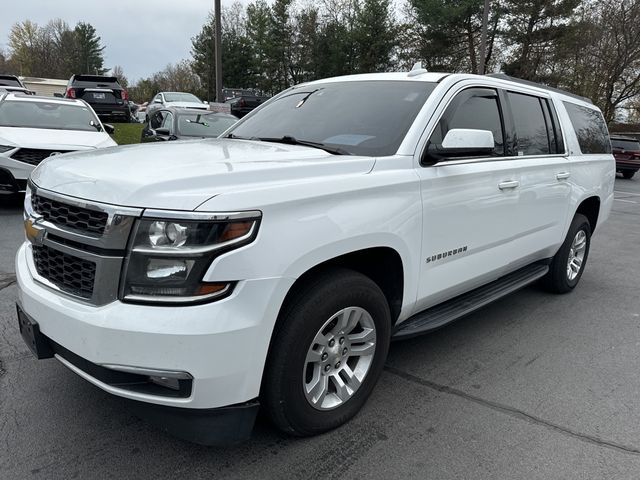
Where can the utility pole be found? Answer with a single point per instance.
(483, 38)
(218, 50)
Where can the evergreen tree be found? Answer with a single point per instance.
(375, 36)
(88, 56)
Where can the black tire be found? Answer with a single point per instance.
(304, 314)
(557, 280)
(628, 174)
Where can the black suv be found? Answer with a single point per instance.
(105, 95)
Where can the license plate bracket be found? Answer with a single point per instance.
(35, 340)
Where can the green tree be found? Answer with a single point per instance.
(26, 47)
(450, 33)
(88, 56)
(237, 66)
(533, 29)
(259, 23)
(375, 36)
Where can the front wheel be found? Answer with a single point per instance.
(327, 353)
(568, 264)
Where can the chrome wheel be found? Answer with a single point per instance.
(576, 255)
(339, 358)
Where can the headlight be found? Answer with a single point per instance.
(6, 148)
(169, 258)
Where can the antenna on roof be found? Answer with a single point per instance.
(417, 70)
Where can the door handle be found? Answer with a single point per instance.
(509, 185)
(563, 175)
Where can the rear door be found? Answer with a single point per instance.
(545, 174)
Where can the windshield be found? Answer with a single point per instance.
(55, 116)
(181, 97)
(625, 144)
(204, 125)
(362, 118)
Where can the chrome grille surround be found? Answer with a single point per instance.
(106, 250)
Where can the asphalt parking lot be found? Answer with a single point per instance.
(533, 386)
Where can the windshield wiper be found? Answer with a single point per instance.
(289, 140)
(240, 137)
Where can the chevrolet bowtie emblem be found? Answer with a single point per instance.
(35, 233)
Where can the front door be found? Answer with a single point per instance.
(470, 204)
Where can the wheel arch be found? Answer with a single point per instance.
(381, 264)
(590, 208)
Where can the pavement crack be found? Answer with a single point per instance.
(6, 280)
(514, 412)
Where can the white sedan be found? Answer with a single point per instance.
(35, 128)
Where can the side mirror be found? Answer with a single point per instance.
(110, 129)
(468, 139)
(460, 142)
(165, 132)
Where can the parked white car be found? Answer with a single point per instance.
(35, 128)
(175, 99)
(273, 266)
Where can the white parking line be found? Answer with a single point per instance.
(625, 201)
(627, 193)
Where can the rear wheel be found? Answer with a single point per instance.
(327, 353)
(568, 264)
(628, 174)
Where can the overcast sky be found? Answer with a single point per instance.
(142, 36)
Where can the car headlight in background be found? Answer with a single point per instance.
(169, 257)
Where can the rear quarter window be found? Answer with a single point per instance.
(590, 128)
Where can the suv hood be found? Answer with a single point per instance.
(182, 175)
(50, 139)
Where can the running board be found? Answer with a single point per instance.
(446, 312)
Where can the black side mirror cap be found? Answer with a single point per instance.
(109, 128)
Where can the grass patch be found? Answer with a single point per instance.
(127, 133)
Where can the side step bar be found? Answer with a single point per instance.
(446, 312)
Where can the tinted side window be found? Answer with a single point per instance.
(590, 128)
(475, 108)
(553, 126)
(532, 132)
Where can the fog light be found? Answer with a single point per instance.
(172, 383)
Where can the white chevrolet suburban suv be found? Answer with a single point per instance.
(273, 266)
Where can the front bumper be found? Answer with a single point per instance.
(221, 345)
(13, 175)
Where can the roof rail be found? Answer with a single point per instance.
(504, 76)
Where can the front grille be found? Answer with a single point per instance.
(70, 216)
(70, 274)
(33, 156)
